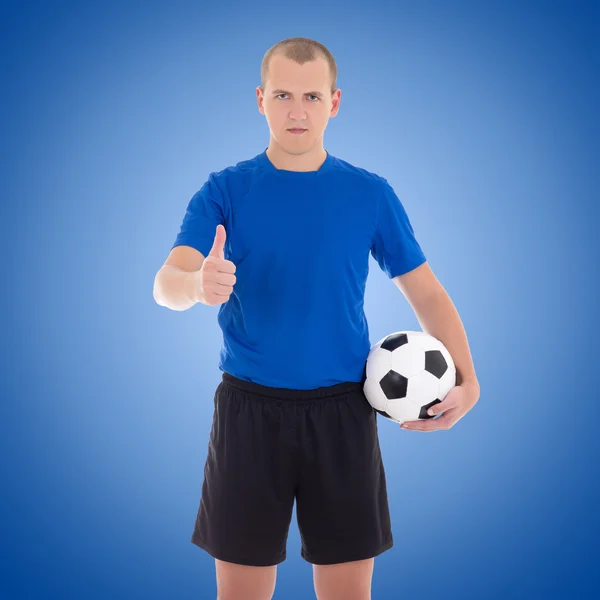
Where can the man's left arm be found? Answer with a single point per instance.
(438, 317)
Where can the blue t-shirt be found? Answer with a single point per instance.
(300, 242)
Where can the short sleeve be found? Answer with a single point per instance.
(394, 246)
(204, 212)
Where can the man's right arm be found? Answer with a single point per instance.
(177, 283)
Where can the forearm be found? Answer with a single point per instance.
(175, 288)
(438, 317)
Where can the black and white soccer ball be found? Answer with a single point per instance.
(407, 372)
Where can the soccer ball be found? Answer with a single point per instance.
(407, 372)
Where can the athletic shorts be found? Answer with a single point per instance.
(270, 446)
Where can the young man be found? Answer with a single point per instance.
(291, 421)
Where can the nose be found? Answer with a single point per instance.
(297, 112)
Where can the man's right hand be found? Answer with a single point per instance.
(216, 276)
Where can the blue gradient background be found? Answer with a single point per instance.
(484, 118)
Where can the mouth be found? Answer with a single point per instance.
(296, 131)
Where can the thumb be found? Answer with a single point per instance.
(219, 243)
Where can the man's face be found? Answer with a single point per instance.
(287, 101)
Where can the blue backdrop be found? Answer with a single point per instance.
(482, 115)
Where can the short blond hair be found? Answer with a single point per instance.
(300, 50)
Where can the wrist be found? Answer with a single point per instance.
(469, 379)
(471, 383)
(192, 288)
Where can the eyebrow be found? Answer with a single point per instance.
(290, 93)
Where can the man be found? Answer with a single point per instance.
(291, 421)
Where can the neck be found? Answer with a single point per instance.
(305, 161)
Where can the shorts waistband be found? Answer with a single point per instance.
(338, 389)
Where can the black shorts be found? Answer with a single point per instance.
(269, 446)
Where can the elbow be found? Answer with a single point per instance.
(164, 294)
(156, 291)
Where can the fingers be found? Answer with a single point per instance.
(224, 266)
(223, 291)
(443, 422)
(217, 285)
(220, 277)
(217, 249)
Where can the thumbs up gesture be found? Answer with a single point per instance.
(217, 274)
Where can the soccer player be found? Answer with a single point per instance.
(281, 243)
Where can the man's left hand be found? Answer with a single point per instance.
(457, 403)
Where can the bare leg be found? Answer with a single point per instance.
(344, 581)
(242, 582)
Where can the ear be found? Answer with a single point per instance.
(335, 99)
(260, 100)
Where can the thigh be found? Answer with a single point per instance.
(241, 582)
(349, 580)
(248, 490)
(342, 504)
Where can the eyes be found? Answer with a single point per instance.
(310, 95)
